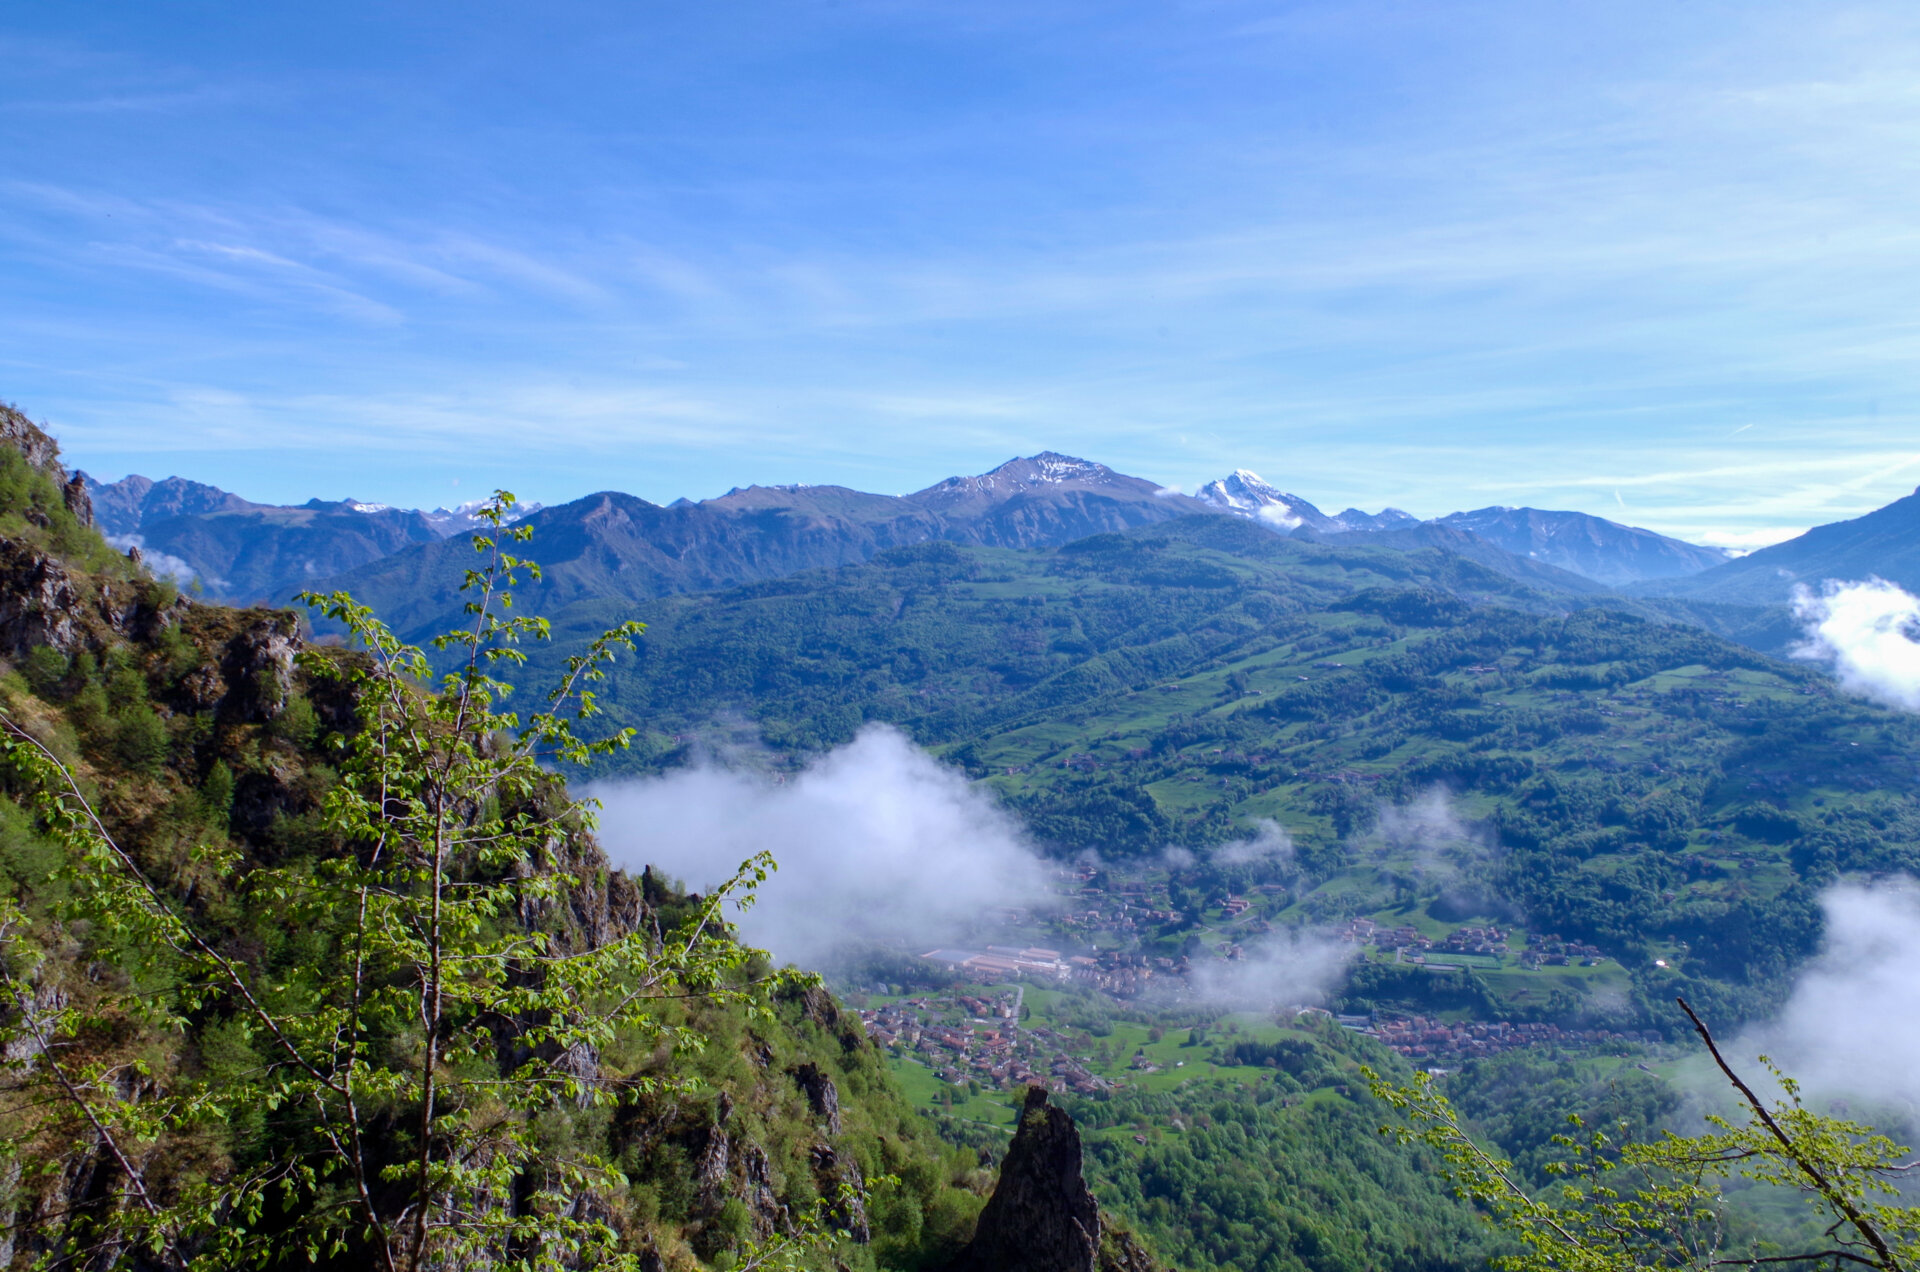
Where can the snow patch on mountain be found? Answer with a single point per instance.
(461, 518)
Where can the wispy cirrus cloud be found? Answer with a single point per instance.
(1361, 247)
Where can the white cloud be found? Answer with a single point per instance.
(876, 842)
(1278, 516)
(162, 565)
(1292, 967)
(1429, 827)
(1269, 842)
(1852, 1024)
(1868, 633)
(1741, 542)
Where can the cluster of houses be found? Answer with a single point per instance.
(1125, 974)
(1475, 940)
(971, 1039)
(1551, 951)
(1124, 917)
(1382, 937)
(1490, 941)
(1423, 1038)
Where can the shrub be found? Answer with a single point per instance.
(140, 738)
(45, 667)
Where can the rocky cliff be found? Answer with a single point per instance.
(1041, 1217)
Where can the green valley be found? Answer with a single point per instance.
(1602, 776)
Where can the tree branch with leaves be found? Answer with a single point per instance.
(1615, 1203)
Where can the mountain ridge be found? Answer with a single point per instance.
(1045, 499)
(1884, 543)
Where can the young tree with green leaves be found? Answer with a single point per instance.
(406, 1072)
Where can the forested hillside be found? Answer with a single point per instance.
(146, 1109)
(1644, 786)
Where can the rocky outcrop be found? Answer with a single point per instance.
(78, 501)
(259, 666)
(1120, 1251)
(40, 602)
(30, 440)
(1041, 1217)
(839, 1178)
(731, 1168)
(822, 1096)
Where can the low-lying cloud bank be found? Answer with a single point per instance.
(162, 565)
(1290, 967)
(1269, 842)
(1852, 1024)
(1868, 633)
(876, 841)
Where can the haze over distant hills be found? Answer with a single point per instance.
(1884, 543)
(618, 545)
(1604, 551)
(243, 551)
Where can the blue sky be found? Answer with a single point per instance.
(1656, 261)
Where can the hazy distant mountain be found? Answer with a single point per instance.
(242, 551)
(1602, 550)
(460, 518)
(1465, 543)
(616, 546)
(620, 546)
(269, 554)
(1047, 499)
(1885, 543)
(1592, 547)
(123, 506)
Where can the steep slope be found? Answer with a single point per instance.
(1604, 551)
(1885, 544)
(201, 734)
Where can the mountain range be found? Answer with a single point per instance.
(239, 550)
(1449, 730)
(619, 545)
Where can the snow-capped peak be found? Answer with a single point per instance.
(1247, 494)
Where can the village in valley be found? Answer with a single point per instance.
(1120, 950)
